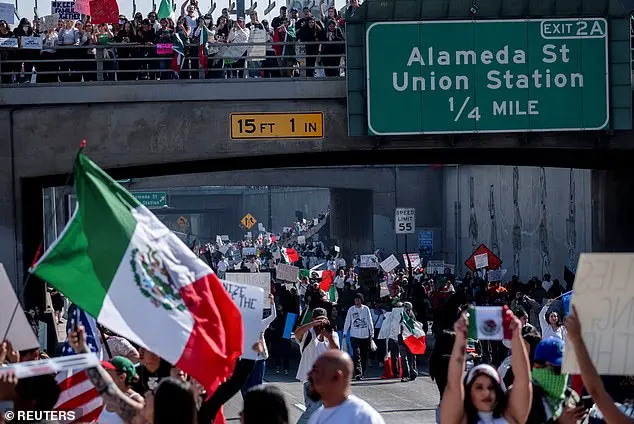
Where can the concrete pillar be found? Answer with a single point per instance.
(351, 220)
(612, 211)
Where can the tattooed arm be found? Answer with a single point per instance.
(118, 402)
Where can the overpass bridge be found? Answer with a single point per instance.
(154, 128)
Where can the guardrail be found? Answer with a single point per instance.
(141, 62)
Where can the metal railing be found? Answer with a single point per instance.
(143, 62)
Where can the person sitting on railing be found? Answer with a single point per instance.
(331, 52)
(126, 35)
(165, 36)
(69, 36)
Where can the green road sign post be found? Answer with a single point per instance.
(487, 76)
(152, 199)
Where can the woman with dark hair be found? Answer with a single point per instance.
(480, 397)
(550, 322)
(174, 402)
(264, 398)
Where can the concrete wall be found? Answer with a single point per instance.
(536, 219)
(8, 247)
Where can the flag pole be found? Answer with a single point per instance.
(104, 341)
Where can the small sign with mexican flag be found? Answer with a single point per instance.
(120, 264)
(489, 323)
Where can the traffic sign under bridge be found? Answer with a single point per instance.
(152, 199)
(487, 76)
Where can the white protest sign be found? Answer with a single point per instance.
(435, 266)
(277, 255)
(9, 43)
(368, 261)
(413, 258)
(250, 301)
(301, 239)
(7, 11)
(481, 260)
(390, 263)
(249, 251)
(287, 272)
(224, 237)
(223, 249)
(286, 229)
(405, 220)
(52, 365)
(254, 279)
(261, 227)
(49, 22)
(315, 221)
(337, 249)
(604, 298)
(20, 333)
(249, 235)
(219, 240)
(496, 274)
(31, 43)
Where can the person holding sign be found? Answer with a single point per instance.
(480, 398)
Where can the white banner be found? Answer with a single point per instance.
(368, 261)
(52, 365)
(250, 301)
(9, 43)
(604, 298)
(49, 22)
(255, 279)
(287, 273)
(390, 263)
(31, 43)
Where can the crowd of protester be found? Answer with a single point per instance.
(294, 43)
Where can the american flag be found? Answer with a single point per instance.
(77, 393)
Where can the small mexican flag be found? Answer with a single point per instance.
(489, 323)
(203, 51)
(290, 255)
(326, 278)
(120, 264)
(414, 335)
(179, 53)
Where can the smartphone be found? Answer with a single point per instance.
(586, 402)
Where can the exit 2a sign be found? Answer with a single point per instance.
(405, 220)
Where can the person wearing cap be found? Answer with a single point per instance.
(279, 20)
(313, 338)
(553, 401)
(480, 397)
(123, 373)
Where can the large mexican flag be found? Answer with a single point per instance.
(119, 263)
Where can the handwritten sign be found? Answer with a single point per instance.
(250, 301)
(287, 273)
(49, 22)
(390, 263)
(368, 261)
(104, 11)
(249, 251)
(435, 266)
(9, 43)
(481, 260)
(414, 259)
(31, 43)
(604, 298)
(301, 239)
(255, 279)
(65, 10)
(7, 11)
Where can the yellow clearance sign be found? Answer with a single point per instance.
(248, 221)
(249, 126)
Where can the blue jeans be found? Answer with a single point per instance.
(311, 406)
(255, 378)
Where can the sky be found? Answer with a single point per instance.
(25, 7)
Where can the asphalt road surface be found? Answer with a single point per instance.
(398, 403)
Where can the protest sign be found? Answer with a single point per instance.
(255, 279)
(49, 22)
(287, 273)
(223, 249)
(301, 239)
(261, 227)
(82, 6)
(277, 255)
(7, 11)
(19, 333)
(604, 298)
(414, 259)
(31, 43)
(224, 237)
(164, 48)
(65, 10)
(249, 251)
(337, 249)
(51, 366)
(435, 267)
(368, 261)
(390, 263)
(250, 301)
(481, 260)
(219, 240)
(104, 11)
(9, 43)
(496, 274)
(249, 236)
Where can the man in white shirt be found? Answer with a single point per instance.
(314, 338)
(359, 323)
(330, 380)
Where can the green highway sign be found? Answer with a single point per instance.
(152, 199)
(437, 77)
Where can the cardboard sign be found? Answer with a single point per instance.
(481, 260)
(496, 274)
(413, 258)
(49, 22)
(82, 6)
(65, 10)
(9, 43)
(250, 301)
(31, 43)
(20, 333)
(337, 249)
(164, 48)
(435, 267)
(254, 279)
(287, 272)
(7, 12)
(390, 263)
(223, 249)
(104, 11)
(224, 237)
(368, 261)
(604, 298)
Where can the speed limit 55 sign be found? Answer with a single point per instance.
(405, 220)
